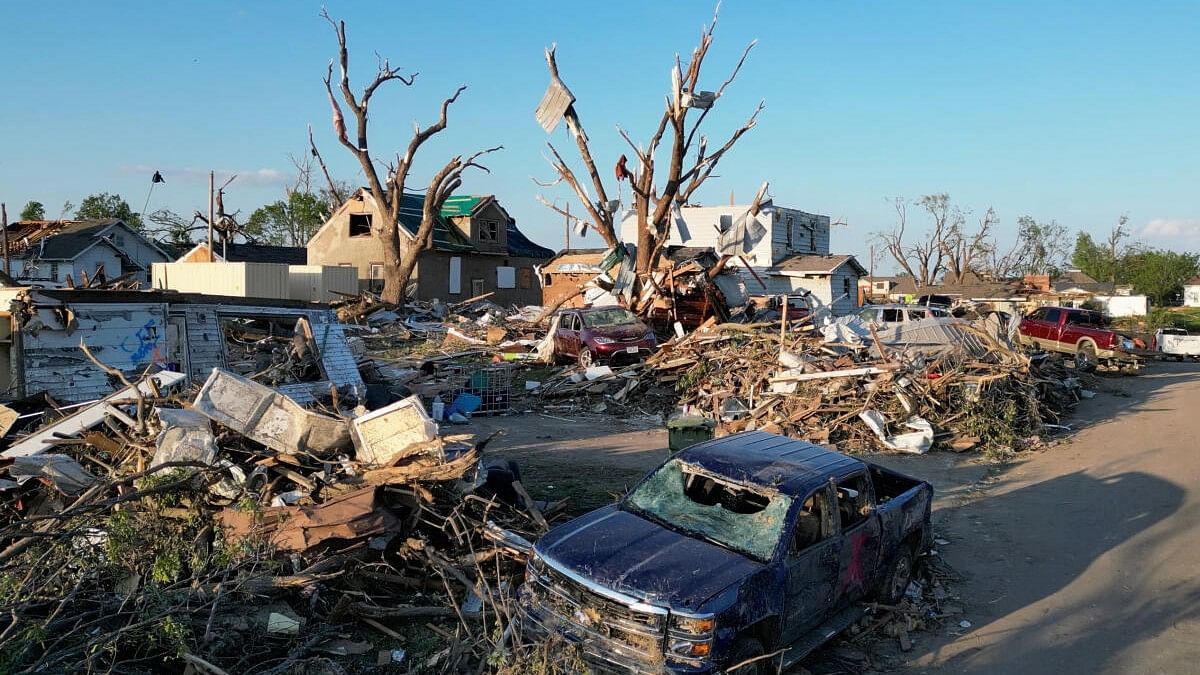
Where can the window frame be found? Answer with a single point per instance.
(352, 225)
(492, 227)
(865, 499)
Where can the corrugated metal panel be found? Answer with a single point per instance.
(244, 280)
(321, 283)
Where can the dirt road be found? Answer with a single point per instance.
(1084, 557)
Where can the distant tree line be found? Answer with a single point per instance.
(951, 245)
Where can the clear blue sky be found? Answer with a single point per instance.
(1070, 111)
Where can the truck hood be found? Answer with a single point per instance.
(621, 551)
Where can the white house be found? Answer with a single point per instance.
(1191, 292)
(46, 252)
(781, 251)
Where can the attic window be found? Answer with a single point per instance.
(489, 230)
(789, 232)
(812, 240)
(360, 224)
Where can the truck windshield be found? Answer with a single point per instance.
(743, 518)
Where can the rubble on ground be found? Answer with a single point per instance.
(948, 383)
(235, 531)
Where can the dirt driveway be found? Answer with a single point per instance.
(1080, 558)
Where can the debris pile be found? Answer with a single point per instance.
(235, 531)
(946, 382)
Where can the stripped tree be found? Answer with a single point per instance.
(656, 195)
(399, 256)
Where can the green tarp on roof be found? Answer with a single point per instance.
(446, 237)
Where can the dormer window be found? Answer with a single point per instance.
(489, 230)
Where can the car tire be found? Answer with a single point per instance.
(1086, 360)
(587, 358)
(744, 650)
(899, 575)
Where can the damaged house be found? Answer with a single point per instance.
(786, 251)
(477, 249)
(297, 348)
(62, 253)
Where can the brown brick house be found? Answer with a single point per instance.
(477, 248)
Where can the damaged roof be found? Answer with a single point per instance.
(463, 205)
(791, 466)
(60, 239)
(815, 264)
(521, 246)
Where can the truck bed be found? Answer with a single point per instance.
(904, 506)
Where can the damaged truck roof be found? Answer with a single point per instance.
(791, 466)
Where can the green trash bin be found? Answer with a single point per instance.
(687, 430)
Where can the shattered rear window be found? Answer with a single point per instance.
(744, 518)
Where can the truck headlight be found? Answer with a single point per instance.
(691, 637)
(601, 340)
(693, 625)
(690, 649)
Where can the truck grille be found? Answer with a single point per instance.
(595, 614)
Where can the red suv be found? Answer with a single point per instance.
(602, 334)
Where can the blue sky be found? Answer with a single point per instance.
(1071, 111)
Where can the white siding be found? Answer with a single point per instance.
(827, 291)
(128, 336)
(703, 223)
(1191, 296)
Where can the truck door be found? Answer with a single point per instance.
(811, 565)
(860, 532)
(563, 336)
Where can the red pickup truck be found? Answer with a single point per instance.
(1083, 333)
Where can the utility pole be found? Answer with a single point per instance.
(871, 274)
(4, 225)
(568, 228)
(210, 215)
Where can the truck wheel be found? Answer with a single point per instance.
(1085, 358)
(586, 358)
(898, 577)
(744, 650)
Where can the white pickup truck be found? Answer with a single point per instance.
(1175, 342)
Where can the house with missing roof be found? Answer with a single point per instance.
(248, 253)
(46, 253)
(477, 249)
(781, 251)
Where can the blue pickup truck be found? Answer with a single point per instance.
(738, 547)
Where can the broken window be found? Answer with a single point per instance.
(376, 270)
(1078, 318)
(360, 224)
(683, 497)
(476, 287)
(813, 522)
(1052, 315)
(853, 500)
(789, 227)
(53, 271)
(489, 230)
(846, 287)
(812, 240)
(892, 315)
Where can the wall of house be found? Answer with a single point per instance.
(128, 336)
(333, 245)
(827, 291)
(137, 248)
(809, 232)
(1191, 296)
(184, 337)
(434, 281)
(470, 227)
